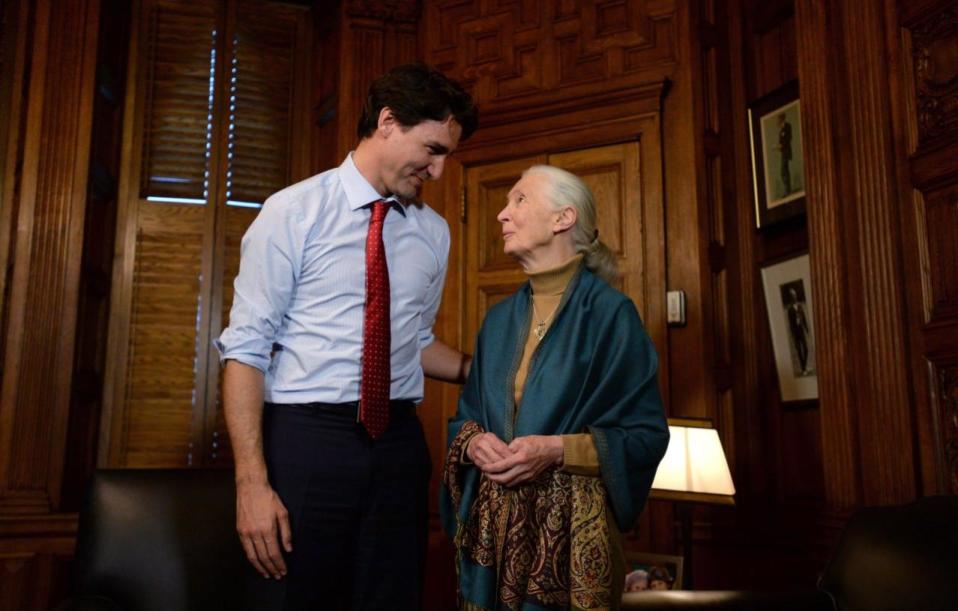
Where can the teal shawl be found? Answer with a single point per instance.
(594, 371)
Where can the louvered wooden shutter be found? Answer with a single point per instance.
(180, 55)
(262, 87)
(161, 376)
(220, 94)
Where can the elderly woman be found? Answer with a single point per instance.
(560, 426)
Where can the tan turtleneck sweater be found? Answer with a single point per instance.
(548, 286)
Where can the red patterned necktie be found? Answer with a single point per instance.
(374, 386)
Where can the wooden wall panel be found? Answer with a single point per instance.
(884, 384)
(373, 36)
(44, 194)
(512, 54)
(745, 450)
(93, 312)
(892, 249)
(13, 97)
(946, 422)
(745, 50)
(33, 581)
(43, 293)
(692, 390)
(940, 215)
(926, 109)
(828, 264)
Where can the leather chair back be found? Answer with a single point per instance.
(161, 540)
(900, 558)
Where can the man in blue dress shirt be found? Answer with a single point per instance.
(324, 508)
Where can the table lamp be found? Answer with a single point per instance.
(694, 470)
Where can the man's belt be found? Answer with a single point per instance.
(397, 407)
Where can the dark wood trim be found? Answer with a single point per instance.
(13, 93)
(51, 525)
(46, 256)
(830, 293)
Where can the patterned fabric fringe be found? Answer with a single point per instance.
(547, 539)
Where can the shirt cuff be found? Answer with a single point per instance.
(579, 455)
(426, 337)
(247, 350)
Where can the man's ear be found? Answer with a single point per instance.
(566, 219)
(387, 121)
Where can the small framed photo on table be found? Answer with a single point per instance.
(645, 572)
(778, 162)
(788, 298)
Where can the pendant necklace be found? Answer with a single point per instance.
(540, 329)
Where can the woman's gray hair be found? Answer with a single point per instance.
(567, 189)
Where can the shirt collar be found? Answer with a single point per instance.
(358, 191)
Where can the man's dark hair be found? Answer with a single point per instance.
(417, 93)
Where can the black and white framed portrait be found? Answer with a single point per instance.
(788, 298)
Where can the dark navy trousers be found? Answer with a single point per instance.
(357, 509)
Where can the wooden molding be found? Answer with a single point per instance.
(15, 64)
(38, 526)
(529, 130)
(746, 451)
(829, 289)
(395, 11)
(928, 85)
(870, 182)
(112, 422)
(46, 255)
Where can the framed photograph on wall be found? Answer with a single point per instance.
(788, 298)
(645, 572)
(778, 162)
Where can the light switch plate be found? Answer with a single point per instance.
(675, 301)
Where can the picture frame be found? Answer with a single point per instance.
(788, 299)
(778, 160)
(647, 572)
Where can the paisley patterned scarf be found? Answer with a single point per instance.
(548, 541)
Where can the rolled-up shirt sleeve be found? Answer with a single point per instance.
(270, 262)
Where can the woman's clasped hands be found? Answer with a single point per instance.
(517, 462)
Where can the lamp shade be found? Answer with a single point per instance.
(694, 467)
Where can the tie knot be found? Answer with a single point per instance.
(380, 208)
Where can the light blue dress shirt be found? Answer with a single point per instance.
(298, 302)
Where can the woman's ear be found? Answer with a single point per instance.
(565, 219)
